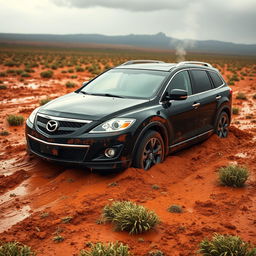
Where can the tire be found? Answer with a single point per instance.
(222, 124)
(150, 151)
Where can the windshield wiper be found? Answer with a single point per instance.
(111, 95)
(85, 93)
(102, 94)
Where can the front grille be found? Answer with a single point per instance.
(57, 152)
(65, 127)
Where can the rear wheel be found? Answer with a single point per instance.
(222, 124)
(150, 150)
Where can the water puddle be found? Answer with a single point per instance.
(12, 194)
(242, 155)
(14, 216)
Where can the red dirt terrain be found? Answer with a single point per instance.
(36, 195)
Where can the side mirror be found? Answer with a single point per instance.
(178, 94)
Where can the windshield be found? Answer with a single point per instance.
(126, 83)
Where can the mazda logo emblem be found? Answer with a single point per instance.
(52, 126)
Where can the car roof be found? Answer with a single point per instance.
(150, 66)
(162, 66)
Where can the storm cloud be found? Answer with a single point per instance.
(132, 5)
(229, 20)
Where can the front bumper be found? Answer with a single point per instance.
(86, 149)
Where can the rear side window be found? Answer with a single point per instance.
(181, 81)
(216, 79)
(201, 81)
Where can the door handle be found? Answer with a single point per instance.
(218, 97)
(196, 105)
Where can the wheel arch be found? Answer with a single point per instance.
(155, 126)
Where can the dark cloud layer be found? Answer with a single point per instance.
(132, 5)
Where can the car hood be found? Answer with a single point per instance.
(92, 107)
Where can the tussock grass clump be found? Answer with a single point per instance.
(156, 253)
(15, 249)
(57, 239)
(4, 133)
(128, 216)
(241, 96)
(109, 249)
(233, 176)
(3, 87)
(46, 74)
(44, 101)
(70, 84)
(175, 209)
(226, 245)
(14, 120)
(235, 111)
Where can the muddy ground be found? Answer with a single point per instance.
(36, 195)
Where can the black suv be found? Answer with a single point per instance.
(132, 115)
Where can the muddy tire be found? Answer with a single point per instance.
(150, 151)
(222, 124)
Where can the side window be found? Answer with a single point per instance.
(216, 79)
(201, 81)
(180, 81)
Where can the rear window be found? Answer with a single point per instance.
(201, 81)
(217, 81)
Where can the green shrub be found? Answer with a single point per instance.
(155, 253)
(128, 216)
(44, 101)
(175, 209)
(15, 249)
(241, 96)
(10, 63)
(235, 111)
(67, 219)
(79, 69)
(14, 120)
(233, 175)
(25, 74)
(109, 249)
(57, 239)
(3, 74)
(73, 76)
(70, 84)
(226, 245)
(4, 133)
(46, 74)
(3, 87)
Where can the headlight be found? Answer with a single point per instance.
(114, 125)
(33, 115)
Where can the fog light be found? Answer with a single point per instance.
(110, 152)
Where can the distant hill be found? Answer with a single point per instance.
(157, 41)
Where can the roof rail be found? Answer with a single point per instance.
(141, 61)
(196, 63)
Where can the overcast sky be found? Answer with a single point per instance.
(225, 20)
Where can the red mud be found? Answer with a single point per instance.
(35, 195)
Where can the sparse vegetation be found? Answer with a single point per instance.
(14, 120)
(241, 96)
(128, 216)
(15, 249)
(235, 111)
(70, 84)
(58, 238)
(156, 253)
(175, 209)
(67, 219)
(4, 133)
(233, 176)
(155, 187)
(44, 101)
(109, 249)
(226, 245)
(3, 87)
(46, 74)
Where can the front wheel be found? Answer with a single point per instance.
(222, 124)
(150, 151)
